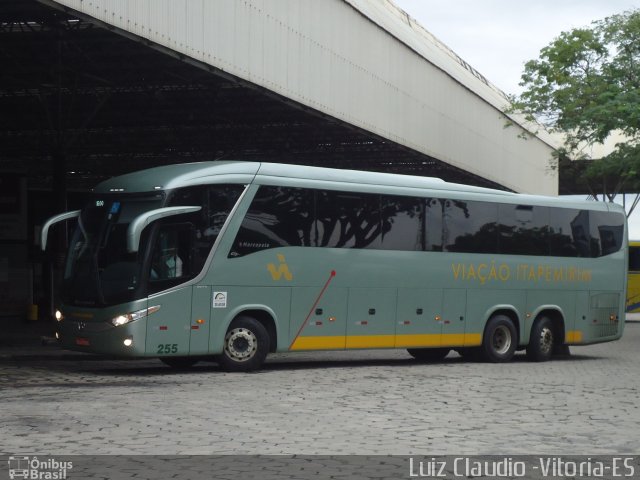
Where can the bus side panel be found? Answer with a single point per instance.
(200, 320)
(372, 317)
(581, 319)
(482, 303)
(606, 319)
(454, 305)
(168, 329)
(325, 314)
(417, 316)
(274, 301)
(559, 300)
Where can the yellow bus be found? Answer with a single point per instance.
(633, 285)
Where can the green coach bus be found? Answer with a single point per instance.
(233, 260)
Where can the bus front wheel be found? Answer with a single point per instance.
(246, 345)
(542, 341)
(499, 341)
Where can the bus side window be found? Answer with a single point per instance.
(433, 224)
(171, 258)
(569, 235)
(277, 217)
(348, 219)
(607, 230)
(402, 223)
(470, 226)
(217, 201)
(523, 229)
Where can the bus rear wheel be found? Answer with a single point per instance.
(542, 341)
(428, 354)
(246, 345)
(499, 341)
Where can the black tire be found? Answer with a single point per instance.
(542, 341)
(500, 340)
(246, 345)
(428, 354)
(179, 363)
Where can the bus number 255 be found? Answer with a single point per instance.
(166, 348)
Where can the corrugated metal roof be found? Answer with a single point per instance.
(362, 62)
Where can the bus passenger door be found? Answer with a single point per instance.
(325, 317)
(418, 321)
(168, 329)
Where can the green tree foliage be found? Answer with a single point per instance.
(586, 84)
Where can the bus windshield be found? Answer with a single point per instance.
(99, 271)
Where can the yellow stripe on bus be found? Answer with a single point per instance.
(319, 343)
(387, 341)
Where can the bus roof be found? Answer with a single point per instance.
(188, 174)
(185, 174)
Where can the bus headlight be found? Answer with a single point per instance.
(133, 316)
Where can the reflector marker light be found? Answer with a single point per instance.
(163, 327)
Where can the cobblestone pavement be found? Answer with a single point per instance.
(367, 402)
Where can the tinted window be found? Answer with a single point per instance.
(277, 217)
(569, 233)
(470, 227)
(402, 223)
(216, 201)
(433, 220)
(523, 229)
(348, 220)
(607, 230)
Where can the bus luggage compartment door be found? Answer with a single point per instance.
(371, 318)
(325, 315)
(419, 322)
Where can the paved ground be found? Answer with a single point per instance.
(370, 402)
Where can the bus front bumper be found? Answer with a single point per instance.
(102, 337)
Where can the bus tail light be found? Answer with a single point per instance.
(133, 316)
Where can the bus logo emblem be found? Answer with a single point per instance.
(281, 270)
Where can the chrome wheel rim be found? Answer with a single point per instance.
(501, 340)
(546, 340)
(240, 344)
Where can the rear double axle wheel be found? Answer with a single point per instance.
(500, 340)
(542, 343)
